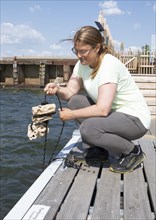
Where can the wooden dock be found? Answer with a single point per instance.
(92, 192)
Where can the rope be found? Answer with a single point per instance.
(45, 140)
(56, 146)
(57, 143)
(44, 102)
(45, 146)
(59, 101)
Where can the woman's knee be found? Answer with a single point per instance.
(79, 101)
(73, 102)
(87, 130)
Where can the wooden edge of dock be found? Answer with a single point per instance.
(26, 201)
(123, 196)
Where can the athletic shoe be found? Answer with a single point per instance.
(97, 154)
(128, 163)
(93, 154)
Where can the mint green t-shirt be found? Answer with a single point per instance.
(128, 98)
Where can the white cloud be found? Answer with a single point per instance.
(31, 52)
(109, 4)
(117, 44)
(35, 8)
(136, 26)
(148, 4)
(61, 50)
(18, 34)
(55, 46)
(26, 52)
(154, 7)
(110, 8)
(134, 49)
(129, 12)
(153, 42)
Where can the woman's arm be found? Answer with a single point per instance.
(101, 108)
(73, 87)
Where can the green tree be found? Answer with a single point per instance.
(146, 49)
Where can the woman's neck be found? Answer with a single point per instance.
(95, 63)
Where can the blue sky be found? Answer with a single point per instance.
(33, 28)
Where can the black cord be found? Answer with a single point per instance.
(59, 101)
(45, 146)
(56, 146)
(57, 143)
(44, 102)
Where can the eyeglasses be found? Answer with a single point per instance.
(81, 52)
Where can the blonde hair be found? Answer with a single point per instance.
(92, 36)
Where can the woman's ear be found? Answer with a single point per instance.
(97, 48)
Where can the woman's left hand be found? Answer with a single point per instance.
(66, 114)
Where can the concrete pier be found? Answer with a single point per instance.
(35, 71)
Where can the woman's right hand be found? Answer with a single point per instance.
(51, 88)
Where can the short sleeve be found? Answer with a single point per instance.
(108, 71)
(77, 70)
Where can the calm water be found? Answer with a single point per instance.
(21, 159)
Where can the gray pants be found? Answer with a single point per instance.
(114, 133)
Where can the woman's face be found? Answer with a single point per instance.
(86, 53)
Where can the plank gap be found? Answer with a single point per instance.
(96, 185)
(148, 191)
(72, 182)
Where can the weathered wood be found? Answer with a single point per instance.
(150, 170)
(151, 101)
(53, 195)
(107, 201)
(152, 110)
(153, 126)
(145, 85)
(149, 92)
(77, 202)
(26, 201)
(136, 201)
(92, 192)
(150, 78)
(151, 133)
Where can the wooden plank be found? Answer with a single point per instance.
(107, 201)
(136, 201)
(145, 85)
(27, 200)
(153, 126)
(152, 110)
(151, 101)
(148, 137)
(150, 170)
(144, 78)
(151, 133)
(77, 202)
(149, 92)
(146, 66)
(54, 193)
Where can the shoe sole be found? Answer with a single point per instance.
(132, 168)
